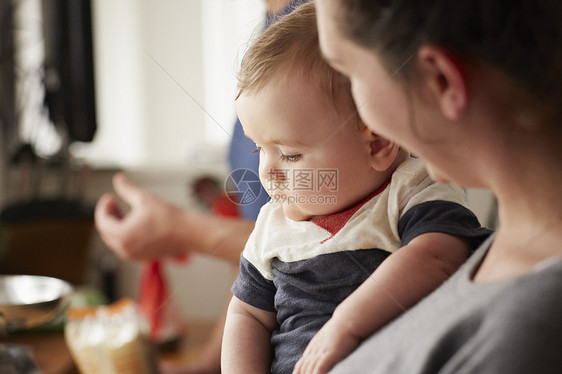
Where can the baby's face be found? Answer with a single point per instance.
(313, 159)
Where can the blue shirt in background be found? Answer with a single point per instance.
(240, 154)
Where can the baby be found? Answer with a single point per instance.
(343, 201)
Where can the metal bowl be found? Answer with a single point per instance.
(28, 300)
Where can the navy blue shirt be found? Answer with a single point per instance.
(305, 293)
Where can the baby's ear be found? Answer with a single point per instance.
(383, 152)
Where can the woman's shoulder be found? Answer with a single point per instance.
(507, 326)
(536, 295)
(522, 328)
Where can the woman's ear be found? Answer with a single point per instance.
(383, 152)
(445, 80)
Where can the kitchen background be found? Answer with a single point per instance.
(165, 75)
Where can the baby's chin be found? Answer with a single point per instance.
(297, 213)
(294, 213)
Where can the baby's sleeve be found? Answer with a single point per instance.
(253, 288)
(444, 217)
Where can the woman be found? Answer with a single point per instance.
(474, 88)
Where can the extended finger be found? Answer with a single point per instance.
(129, 192)
(108, 218)
(111, 225)
(107, 207)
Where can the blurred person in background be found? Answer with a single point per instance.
(154, 228)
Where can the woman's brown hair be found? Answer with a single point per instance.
(523, 38)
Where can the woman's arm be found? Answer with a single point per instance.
(403, 279)
(246, 344)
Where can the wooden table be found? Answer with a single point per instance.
(52, 356)
(50, 352)
(191, 346)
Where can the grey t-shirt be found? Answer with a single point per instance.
(507, 326)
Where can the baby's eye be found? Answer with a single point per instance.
(291, 158)
(258, 149)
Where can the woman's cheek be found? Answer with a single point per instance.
(363, 104)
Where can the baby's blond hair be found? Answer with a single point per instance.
(290, 49)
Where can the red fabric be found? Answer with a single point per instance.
(335, 222)
(152, 295)
(223, 206)
(153, 291)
